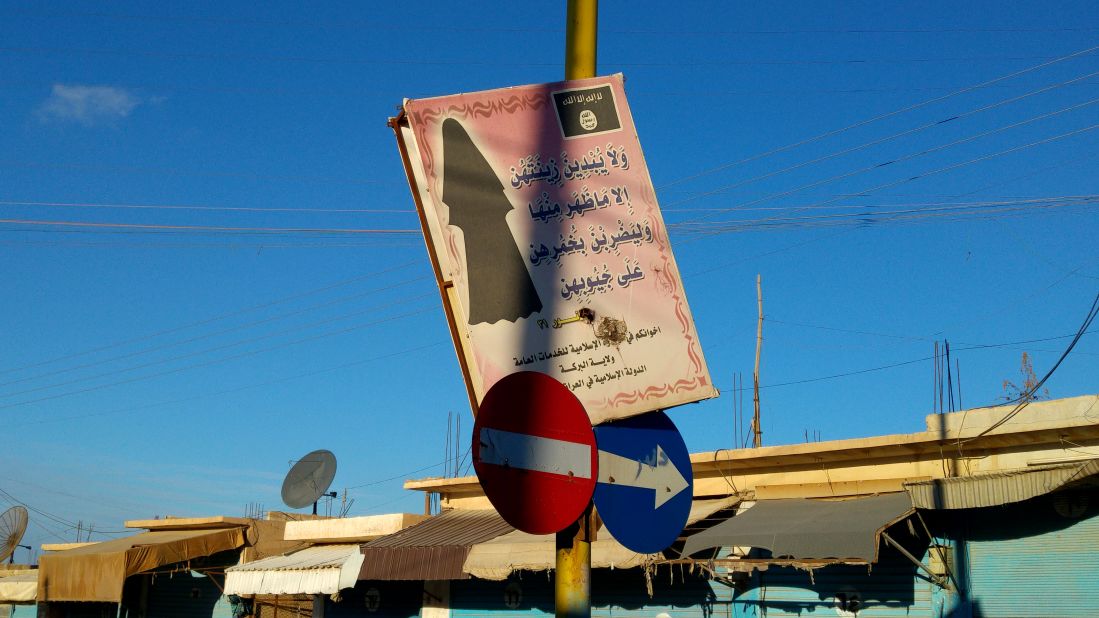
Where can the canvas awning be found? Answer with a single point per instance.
(322, 569)
(801, 529)
(97, 572)
(20, 587)
(996, 488)
(433, 549)
(498, 558)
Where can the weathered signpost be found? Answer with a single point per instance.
(565, 305)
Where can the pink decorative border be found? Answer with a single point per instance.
(427, 119)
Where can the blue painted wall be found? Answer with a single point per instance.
(1033, 559)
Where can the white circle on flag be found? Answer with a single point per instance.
(588, 120)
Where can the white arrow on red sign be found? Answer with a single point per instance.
(540, 454)
(535, 453)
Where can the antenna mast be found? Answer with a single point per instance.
(757, 429)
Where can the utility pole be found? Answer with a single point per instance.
(572, 582)
(757, 429)
(580, 38)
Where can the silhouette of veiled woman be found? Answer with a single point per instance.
(499, 284)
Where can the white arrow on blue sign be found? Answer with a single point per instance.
(644, 485)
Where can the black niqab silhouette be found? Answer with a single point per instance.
(500, 287)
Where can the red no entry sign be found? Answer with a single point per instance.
(534, 452)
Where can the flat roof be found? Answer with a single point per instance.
(1041, 422)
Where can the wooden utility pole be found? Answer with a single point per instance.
(757, 429)
(572, 583)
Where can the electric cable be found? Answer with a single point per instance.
(224, 331)
(906, 179)
(874, 119)
(914, 155)
(1026, 397)
(92, 205)
(228, 391)
(217, 348)
(882, 140)
(212, 362)
(223, 316)
(211, 228)
(406, 27)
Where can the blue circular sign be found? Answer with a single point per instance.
(645, 483)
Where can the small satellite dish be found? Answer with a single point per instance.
(309, 479)
(13, 523)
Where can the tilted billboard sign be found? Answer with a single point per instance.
(545, 233)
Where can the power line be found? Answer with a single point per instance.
(335, 60)
(1028, 396)
(365, 91)
(874, 119)
(877, 217)
(217, 348)
(388, 26)
(180, 171)
(399, 476)
(403, 211)
(219, 333)
(214, 361)
(863, 146)
(211, 228)
(404, 27)
(912, 361)
(916, 338)
(55, 518)
(76, 497)
(216, 318)
(230, 391)
(896, 182)
(231, 246)
(1021, 201)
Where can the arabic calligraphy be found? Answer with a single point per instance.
(590, 97)
(582, 201)
(585, 347)
(596, 162)
(605, 377)
(601, 281)
(563, 350)
(532, 170)
(635, 233)
(568, 245)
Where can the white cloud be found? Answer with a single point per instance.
(88, 105)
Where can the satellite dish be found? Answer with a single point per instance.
(309, 479)
(13, 523)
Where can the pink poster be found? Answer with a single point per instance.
(539, 209)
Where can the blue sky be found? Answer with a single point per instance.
(171, 370)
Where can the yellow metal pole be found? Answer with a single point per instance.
(572, 584)
(580, 38)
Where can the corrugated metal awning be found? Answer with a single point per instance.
(518, 551)
(801, 529)
(996, 488)
(97, 572)
(322, 569)
(21, 587)
(434, 549)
